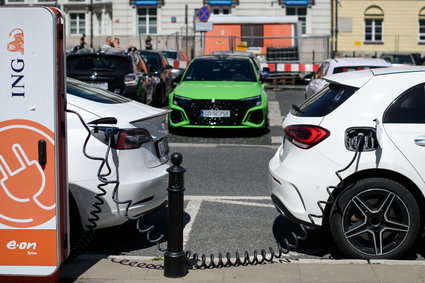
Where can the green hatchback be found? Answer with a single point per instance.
(219, 92)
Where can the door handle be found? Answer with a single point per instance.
(420, 141)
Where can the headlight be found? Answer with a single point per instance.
(181, 101)
(252, 101)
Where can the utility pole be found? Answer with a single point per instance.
(91, 23)
(187, 28)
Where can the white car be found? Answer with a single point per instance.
(340, 65)
(377, 207)
(138, 157)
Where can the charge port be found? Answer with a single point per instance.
(353, 136)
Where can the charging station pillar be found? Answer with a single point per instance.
(175, 258)
(33, 181)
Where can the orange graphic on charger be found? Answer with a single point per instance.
(27, 189)
(17, 43)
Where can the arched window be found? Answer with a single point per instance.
(422, 25)
(374, 24)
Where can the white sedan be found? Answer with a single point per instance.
(138, 157)
(368, 127)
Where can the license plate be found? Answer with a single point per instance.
(101, 85)
(215, 113)
(162, 147)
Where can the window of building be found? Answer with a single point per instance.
(422, 25)
(77, 23)
(374, 25)
(147, 20)
(301, 12)
(253, 35)
(221, 10)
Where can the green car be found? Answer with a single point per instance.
(219, 92)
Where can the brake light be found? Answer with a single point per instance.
(306, 136)
(130, 139)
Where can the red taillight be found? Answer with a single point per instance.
(130, 139)
(306, 136)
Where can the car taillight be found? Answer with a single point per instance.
(134, 138)
(130, 79)
(306, 136)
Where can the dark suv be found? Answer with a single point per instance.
(159, 67)
(121, 72)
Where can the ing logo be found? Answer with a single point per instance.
(27, 189)
(17, 41)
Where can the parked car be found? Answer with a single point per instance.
(340, 65)
(219, 92)
(121, 72)
(173, 56)
(138, 157)
(400, 59)
(159, 67)
(376, 208)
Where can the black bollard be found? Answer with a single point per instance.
(175, 257)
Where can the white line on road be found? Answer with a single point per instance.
(275, 118)
(192, 208)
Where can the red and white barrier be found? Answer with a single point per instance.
(181, 64)
(279, 67)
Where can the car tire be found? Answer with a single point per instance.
(376, 218)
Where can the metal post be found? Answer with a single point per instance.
(175, 257)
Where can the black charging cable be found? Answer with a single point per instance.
(206, 262)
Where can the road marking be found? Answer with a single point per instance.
(192, 208)
(275, 117)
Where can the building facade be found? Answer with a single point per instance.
(168, 21)
(372, 27)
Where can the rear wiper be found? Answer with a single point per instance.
(297, 108)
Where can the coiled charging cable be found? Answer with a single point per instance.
(206, 262)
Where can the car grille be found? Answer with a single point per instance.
(237, 109)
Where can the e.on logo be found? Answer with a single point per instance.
(27, 189)
(17, 41)
(29, 247)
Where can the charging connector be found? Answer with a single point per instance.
(361, 139)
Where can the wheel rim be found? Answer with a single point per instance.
(376, 222)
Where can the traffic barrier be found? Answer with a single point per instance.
(181, 64)
(280, 67)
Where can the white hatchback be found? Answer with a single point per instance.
(340, 65)
(138, 157)
(356, 148)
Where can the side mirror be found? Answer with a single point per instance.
(262, 79)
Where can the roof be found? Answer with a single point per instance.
(360, 61)
(359, 78)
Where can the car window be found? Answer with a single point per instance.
(151, 59)
(89, 92)
(322, 70)
(353, 68)
(98, 63)
(220, 70)
(408, 107)
(170, 54)
(325, 101)
(398, 59)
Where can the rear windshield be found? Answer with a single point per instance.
(96, 94)
(170, 54)
(221, 70)
(325, 101)
(152, 59)
(100, 63)
(354, 68)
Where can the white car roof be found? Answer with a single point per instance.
(358, 61)
(359, 78)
